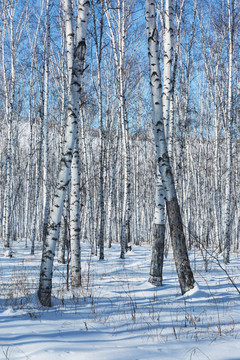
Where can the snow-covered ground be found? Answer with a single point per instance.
(117, 314)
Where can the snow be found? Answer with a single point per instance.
(117, 314)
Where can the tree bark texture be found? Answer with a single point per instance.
(76, 56)
(185, 274)
(75, 219)
(158, 234)
(157, 255)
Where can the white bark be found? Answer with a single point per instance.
(89, 198)
(38, 177)
(185, 275)
(9, 93)
(167, 72)
(119, 49)
(45, 124)
(98, 39)
(229, 138)
(174, 53)
(113, 184)
(76, 57)
(64, 240)
(158, 234)
(213, 72)
(75, 219)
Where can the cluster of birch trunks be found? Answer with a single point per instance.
(120, 124)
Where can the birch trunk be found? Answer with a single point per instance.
(75, 219)
(89, 198)
(167, 72)
(111, 194)
(8, 163)
(64, 237)
(38, 176)
(29, 212)
(9, 93)
(124, 126)
(216, 177)
(62, 241)
(76, 57)
(229, 138)
(174, 61)
(118, 40)
(98, 44)
(158, 235)
(184, 271)
(45, 125)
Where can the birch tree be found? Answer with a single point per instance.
(184, 271)
(167, 66)
(11, 37)
(98, 40)
(159, 216)
(45, 121)
(119, 22)
(75, 56)
(229, 136)
(38, 170)
(213, 64)
(75, 219)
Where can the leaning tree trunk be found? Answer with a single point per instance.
(76, 57)
(180, 253)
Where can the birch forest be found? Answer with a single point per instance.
(119, 125)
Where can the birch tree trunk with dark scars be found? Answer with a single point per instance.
(158, 235)
(45, 122)
(9, 93)
(98, 40)
(75, 219)
(38, 176)
(180, 253)
(75, 57)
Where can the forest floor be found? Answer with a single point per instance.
(117, 314)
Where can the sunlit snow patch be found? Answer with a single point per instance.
(194, 293)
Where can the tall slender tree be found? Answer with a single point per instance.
(183, 267)
(45, 121)
(229, 127)
(76, 57)
(117, 19)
